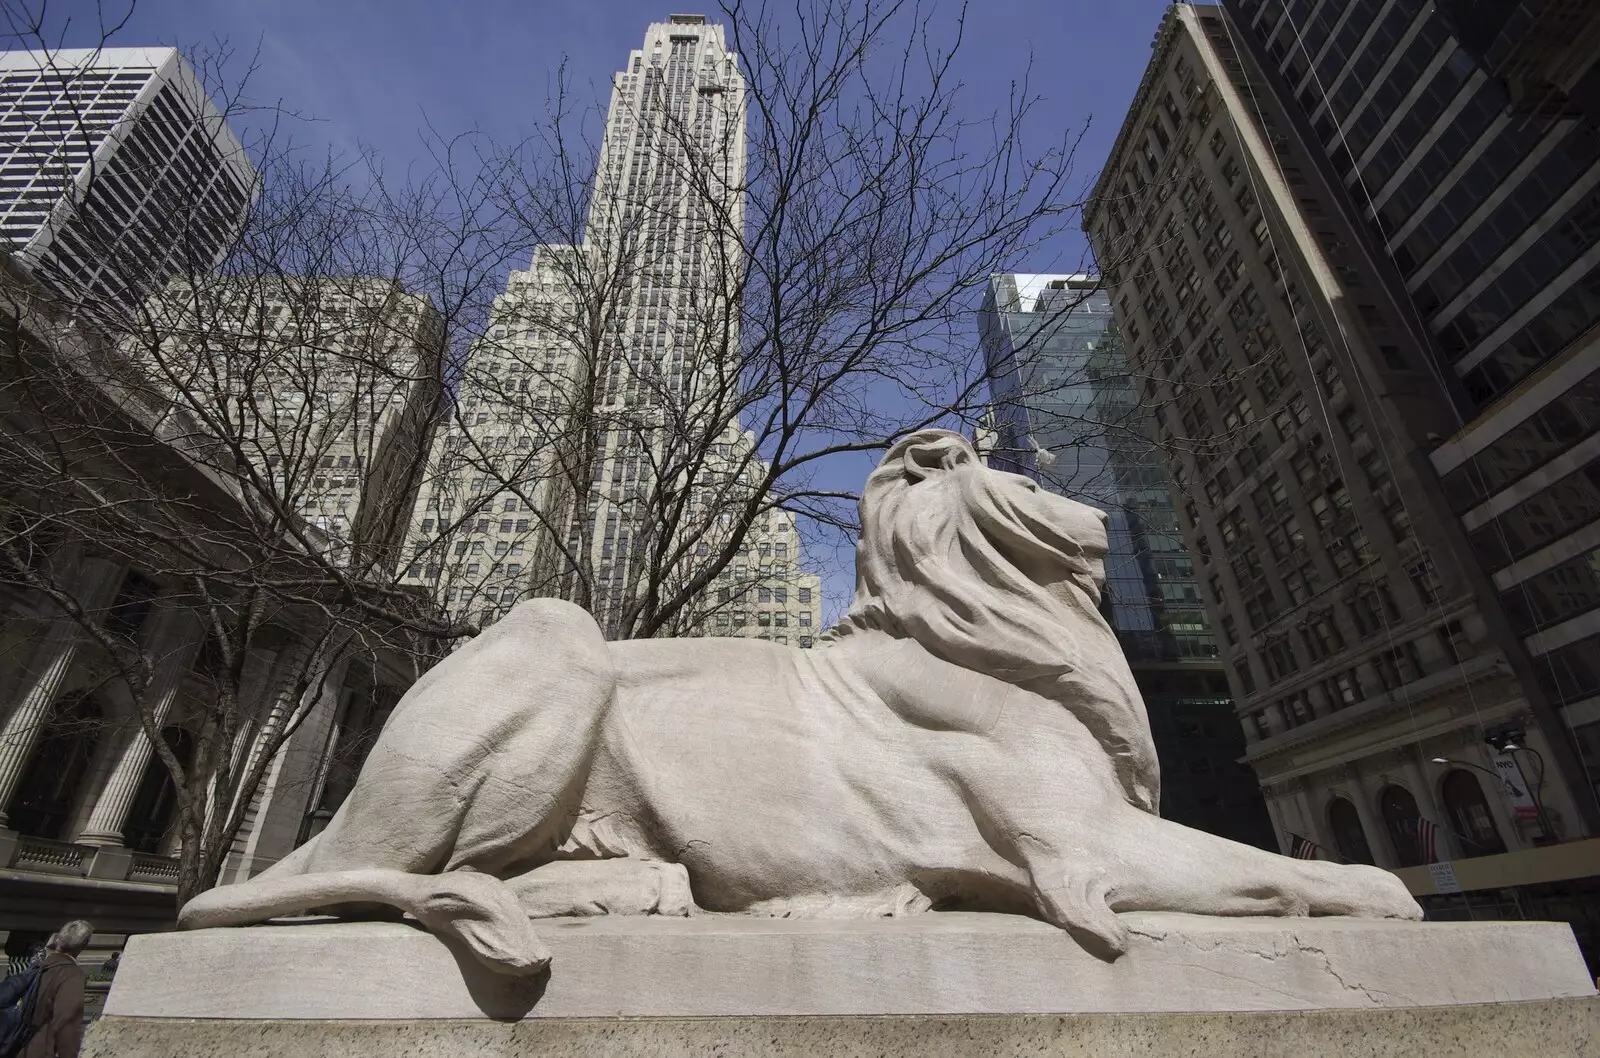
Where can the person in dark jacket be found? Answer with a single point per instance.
(58, 1012)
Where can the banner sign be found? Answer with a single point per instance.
(1516, 789)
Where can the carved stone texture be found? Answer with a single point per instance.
(969, 736)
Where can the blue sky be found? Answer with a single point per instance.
(372, 72)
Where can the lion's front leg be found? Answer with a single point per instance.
(1044, 795)
(604, 887)
(1164, 866)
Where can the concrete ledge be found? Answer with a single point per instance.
(1512, 1030)
(716, 966)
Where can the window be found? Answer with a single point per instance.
(1425, 579)
(805, 594)
(1247, 679)
(1344, 689)
(1349, 836)
(427, 525)
(1283, 423)
(1374, 609)
(1470, 818)
(1297, 709)
(1280, 659)
(1454, 640)
(509, 506)
(805, 618)
(1398, 667)
(1400, 817)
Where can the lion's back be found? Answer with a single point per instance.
(751, 755)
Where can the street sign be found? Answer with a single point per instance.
(1444, 877)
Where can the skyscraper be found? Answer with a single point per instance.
(1462, 142)
(116, 172)
(1065, 413)
(582, 443)
(1360, 648)
(329, 385)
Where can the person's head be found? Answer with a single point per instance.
(71, 938)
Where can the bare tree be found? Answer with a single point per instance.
(698, 343)
(297, 439)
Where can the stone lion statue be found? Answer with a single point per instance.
(969, 736)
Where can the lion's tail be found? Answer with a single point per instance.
(285, 891)
(478, 909)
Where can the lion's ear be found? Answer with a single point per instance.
(946, 452)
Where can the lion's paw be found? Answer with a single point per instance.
(483, 913)
(1076, 900)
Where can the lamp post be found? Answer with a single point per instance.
(1510, 739)
(1511, 787)
(1511, 749)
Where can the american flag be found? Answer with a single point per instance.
(1304, 848)
(1427, 840)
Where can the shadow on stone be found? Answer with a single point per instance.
(500, 996)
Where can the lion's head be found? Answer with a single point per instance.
(983, 568)
(990, 572)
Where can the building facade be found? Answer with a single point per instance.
(88, 810)
(592, 455)
(1064, 413)
(116, 172)
(1299, 397)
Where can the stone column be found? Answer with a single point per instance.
(1448, 847)
(94, 587)
(1377, 834)
(175, 639)
(1310, 819)
(1275, 814)
(325, 694)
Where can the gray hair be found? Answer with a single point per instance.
(71, 938)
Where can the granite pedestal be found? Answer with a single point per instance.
(935, 984)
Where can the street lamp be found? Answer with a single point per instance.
(1511, 787)
(1510, 739)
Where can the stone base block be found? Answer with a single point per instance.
(985, 984)
(1569, 1027)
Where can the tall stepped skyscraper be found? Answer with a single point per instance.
(594, 431)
